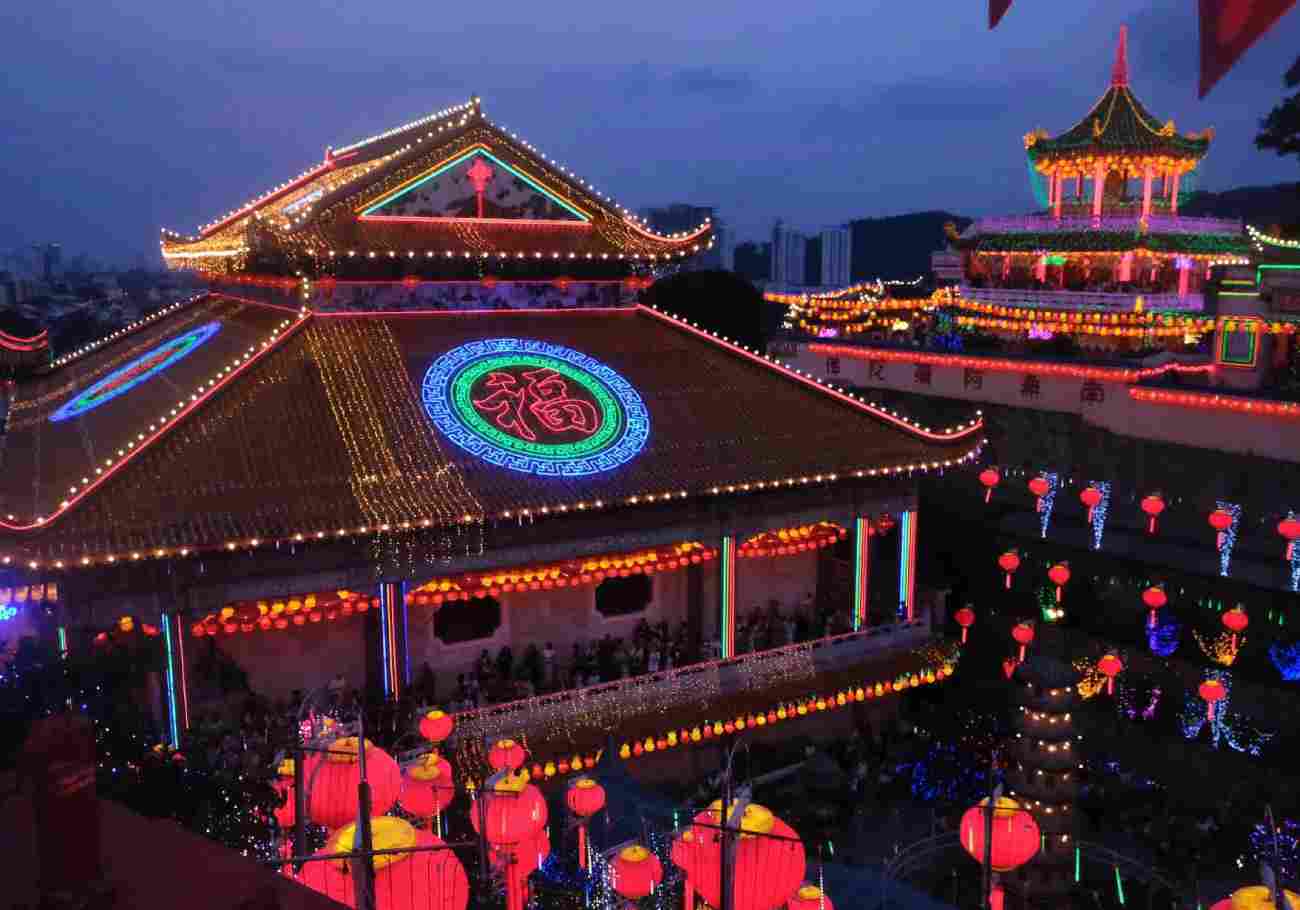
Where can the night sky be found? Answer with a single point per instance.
(120, 118)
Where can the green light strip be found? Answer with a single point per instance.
(727, 594)
(861, 568)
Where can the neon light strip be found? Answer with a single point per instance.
(727, 597)
(322, 168)
(880, 413)
(153, 437)
(399, 594)
(386, 314)
(997, 365)
(385, 666)
(861, 572)
(907, 565)
(476, 149)
(172, 724)
(207, 254)
(63, 642)
(183, 680)
(1217, 402)
(406, 282)
(393, 655)
(1249, 325)
(465, 219)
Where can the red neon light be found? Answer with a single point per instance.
(37, 342)
(254, 302)
(515, 222)
(546, 396)
(388, 314)
(1217, 402)
(874, 411)
(1106, 374)
(156, 435)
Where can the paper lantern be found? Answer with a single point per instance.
(1236, 621)
(636, 872)
(1059, 574)
(1090, 496)
(506, 753)
(1213, 692)
(767, 869)
(1154, 598)
(436, 726)
(1009, 562)
(1152, 505)
(334, 776)
(1015, 834)
(965, 618)
(1110, 666)
(425, 880)
(1023, 633)
(990, 478)
(1289, 528)
(1040, 487)
(810, 897)
(285, 812)
(1256, 897)
(1221, 521)
(428, 786)
(514, 810)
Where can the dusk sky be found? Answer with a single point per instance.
(124, 117)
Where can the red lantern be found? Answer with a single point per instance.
(1153, 505)
(506, 753)
(285, 813)
(1110, 666)
(636, 872)
(1154, 598)
(403, 881)
(965, 618)
(1221, 521)
(810, 897)
(1289, 528)
(428, 787)
(1023, 633)
(1009, 562)
(686, 856)
(767, 869)
(436, 726)
(990, 478)
(585, 798)
(997, 897)
(334, 777)
(1090, 497)
(1059, 574)
(1236, 621)
(1015, 834)
(1212, 691)
(1040, 487)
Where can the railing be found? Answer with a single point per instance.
(1156, 224)
(719, 677)
(1077, 300)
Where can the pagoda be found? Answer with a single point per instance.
(421, 413)
(1110, 237)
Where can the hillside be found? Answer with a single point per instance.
(1262, 206)
(898, 246)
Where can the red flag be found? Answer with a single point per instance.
(998, 9)
(1228, 29)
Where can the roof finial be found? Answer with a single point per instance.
(1119, 74)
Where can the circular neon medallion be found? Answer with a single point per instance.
(535, 407)
(143, 368)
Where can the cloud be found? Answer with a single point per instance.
(714, 84)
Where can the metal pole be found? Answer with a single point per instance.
(299, 804)
(986, 890)
(728, 866)
(363, 867)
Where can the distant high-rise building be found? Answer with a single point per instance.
(789, 256)
(51, 260)
(682, 218)
(836, 250)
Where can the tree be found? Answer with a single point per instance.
(722, 302)
(1280, 130)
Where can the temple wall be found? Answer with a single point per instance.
(300, 657)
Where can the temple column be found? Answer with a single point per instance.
(1126, 267)
(907, 565)
(1184, 275)
(861, 573)
(394, 650)
(1098, 185)
(175, 685)
(1147, 175)
(1078, 187)
(1173, 195)
(727, 596)
(1057, 186)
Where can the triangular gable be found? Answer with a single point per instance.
(475, 184)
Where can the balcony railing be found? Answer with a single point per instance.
(1115, 223)
(1048, 299)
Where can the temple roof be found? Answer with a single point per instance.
(451, 184)
(283, 426)
(1118, 124)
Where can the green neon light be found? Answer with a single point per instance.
(1119, 887)
(1259, 270)
(1078, 865)
(1238, 293)
(611, 414)
(860, 568)
(726, 633)
(1249, 360)
(63, 642)
(465, 157)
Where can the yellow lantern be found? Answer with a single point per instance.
(625, 751)
(696, 736)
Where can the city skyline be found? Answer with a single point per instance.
(804, 123)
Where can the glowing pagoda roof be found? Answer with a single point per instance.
(1118, 125)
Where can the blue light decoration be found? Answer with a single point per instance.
(1048, 502)
(1287, 660)
(1229, 537)
(7, 613)
(1227, 729)
(173, 703)
(535, 407)
(1279, 846)
(141, 369)
(1163, 638)
(1295, 561)
(1099, 512)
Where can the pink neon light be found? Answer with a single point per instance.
(331, 282)
(325, 166)
(35, 343)
(1216, 402)
(145, 323)
(514, 222)
(156, 435)
(389, 313)
(835, 393)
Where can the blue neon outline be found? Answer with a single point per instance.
(435, 395)
(465, 157)
(185, 345)
(172, 707)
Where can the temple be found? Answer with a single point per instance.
(421, 414)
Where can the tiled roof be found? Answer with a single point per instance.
(1119, 123)
(328, 431)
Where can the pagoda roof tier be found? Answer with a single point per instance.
(452, 185)
(1120, 131)
(277, 425)
(1197, 246)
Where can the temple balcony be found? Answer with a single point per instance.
(1108, 222)
(1047, 298)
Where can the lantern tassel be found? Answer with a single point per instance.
(1151, 525)
(964, 630)
(1091, 510)
(582, 846)
(1110, 685)
(1290, 550)
(1039, 505)
(1022, 654)
(1008, 581)
(1219, 539)
(1152, 624)
(1058, 594)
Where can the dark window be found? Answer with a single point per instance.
(623, 596)
(467, 620)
